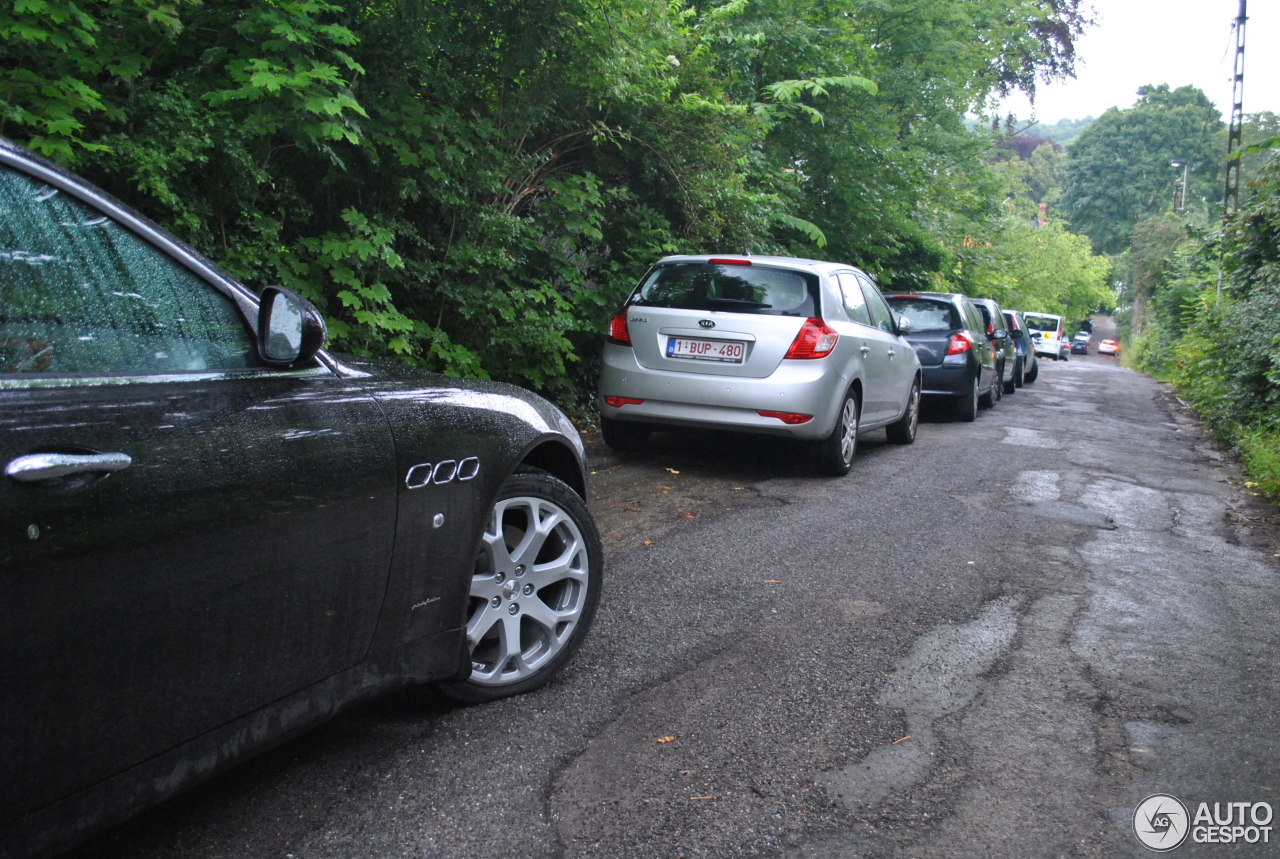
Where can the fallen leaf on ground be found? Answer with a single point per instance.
(903, 740)
(688, 514)
(673, 471)
(664, 740)
(648, 542)
(773, 581)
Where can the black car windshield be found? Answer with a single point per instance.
(734, 287)
(927, 314)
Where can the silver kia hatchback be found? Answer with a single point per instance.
(787, 347)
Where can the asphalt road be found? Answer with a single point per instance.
(994, 642)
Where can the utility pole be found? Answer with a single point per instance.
(1180, 187)
(1231, 198)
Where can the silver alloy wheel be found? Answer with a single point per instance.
(848, 430)
(528, 592)
(914, 407)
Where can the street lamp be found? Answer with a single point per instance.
(1180, 190)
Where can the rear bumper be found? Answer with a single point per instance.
(946, 380)
(723, 402)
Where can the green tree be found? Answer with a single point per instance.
(1040, 268)
(1032, 179)
(1119, 169)
(1259, 135)
(474, 185)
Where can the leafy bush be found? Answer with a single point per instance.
(1222, 352)
(474, 186)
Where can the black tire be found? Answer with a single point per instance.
(622, 436)
(541, 592)
(834, 454)
(1019, 372)
(967, 406)
(992, 396)
(1035, 371)
(903, 430)
(1011, 386)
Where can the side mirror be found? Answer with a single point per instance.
(1016, 334)
(290, 329)
(999, 334)
(904, 325)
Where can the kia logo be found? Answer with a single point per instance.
(706, 323)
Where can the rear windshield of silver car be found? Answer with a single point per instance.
(737, 288)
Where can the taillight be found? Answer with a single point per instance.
(619, 402)
(815, 340)
(790, 418)
(960, 343)
(618, 332)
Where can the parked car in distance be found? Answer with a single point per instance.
(796, 348)
(1109, 347)
(1028, 368)
(1049, 334)
(959, 363)
(1006, 354)
(1080, 343)
(217, 534)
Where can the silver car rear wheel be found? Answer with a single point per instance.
(835, 453)
(534, 589)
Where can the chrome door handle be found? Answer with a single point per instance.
(49, 466)
(891, 354)
(866, 350)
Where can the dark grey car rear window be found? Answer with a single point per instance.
(737, 288)
(926, 315)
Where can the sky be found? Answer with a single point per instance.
(1175, 42)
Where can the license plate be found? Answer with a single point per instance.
(724, 351)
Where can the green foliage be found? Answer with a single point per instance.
(474, 186)
(1222, 351)
(1259, 448)
(1039, 268)
(60, 55)
(1120, 172)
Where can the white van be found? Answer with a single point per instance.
(1049, 333)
